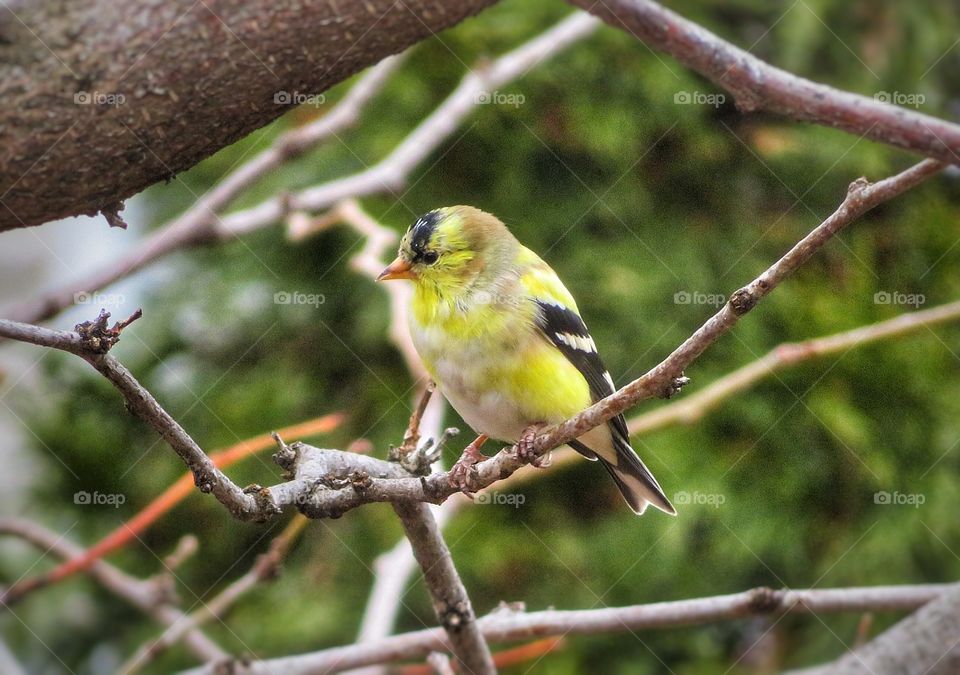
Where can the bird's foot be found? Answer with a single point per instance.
(527, 450)
(460, 473)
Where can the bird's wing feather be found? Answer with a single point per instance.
(567, 331)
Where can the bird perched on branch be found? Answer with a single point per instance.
(504, 341)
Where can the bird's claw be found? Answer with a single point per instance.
(527, 449)
(461, 473)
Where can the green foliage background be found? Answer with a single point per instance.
(632, 199)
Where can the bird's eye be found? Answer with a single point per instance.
(429, 257)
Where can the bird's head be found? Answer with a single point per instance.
(451, 248)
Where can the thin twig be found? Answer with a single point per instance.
(143, 595)
(451, 603)
(788, 354)
(266, 567)
(756, 85)
(506, 625)
(141, 402)
(162, 504)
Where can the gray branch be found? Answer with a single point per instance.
(507, 625)
(143, 595)
(756, 85)
(926, 642)
(92, 341)
(327, 483)
(450, 601)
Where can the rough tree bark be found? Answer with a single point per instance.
(103, 98)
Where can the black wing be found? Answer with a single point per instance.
(566, 330)
(568, 333)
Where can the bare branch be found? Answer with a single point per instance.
(141, 402)
(163, 503)
(927, 641)
(691, 409)
(143, 595)
(756, 85)
(266, 567)
(390, 173)
(450, 601)
(374, 480)
(383, 481)
(861, 197)
(507, 625)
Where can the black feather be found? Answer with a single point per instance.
(421, 233)
(555, 320)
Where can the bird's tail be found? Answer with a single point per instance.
(636, 483)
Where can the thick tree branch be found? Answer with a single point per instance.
(506, 625)
(927, 642)
(198, 224)
(195, 227)
(143, 595)
(103, 99)
(756, 85)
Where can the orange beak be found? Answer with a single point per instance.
(398, 269)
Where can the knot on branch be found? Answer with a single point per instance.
(266, 507)
(202, 479)
(764, 600)
(857, 187)
(97, 337)
(285, 457)
(358, 479)
(112, 213)
(742, 301)
(673, 387)
(419, 461)
(455, 616)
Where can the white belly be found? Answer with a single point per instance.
(462, 380)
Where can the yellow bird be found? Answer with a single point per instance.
(503, 339)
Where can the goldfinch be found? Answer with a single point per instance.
(504, 341)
